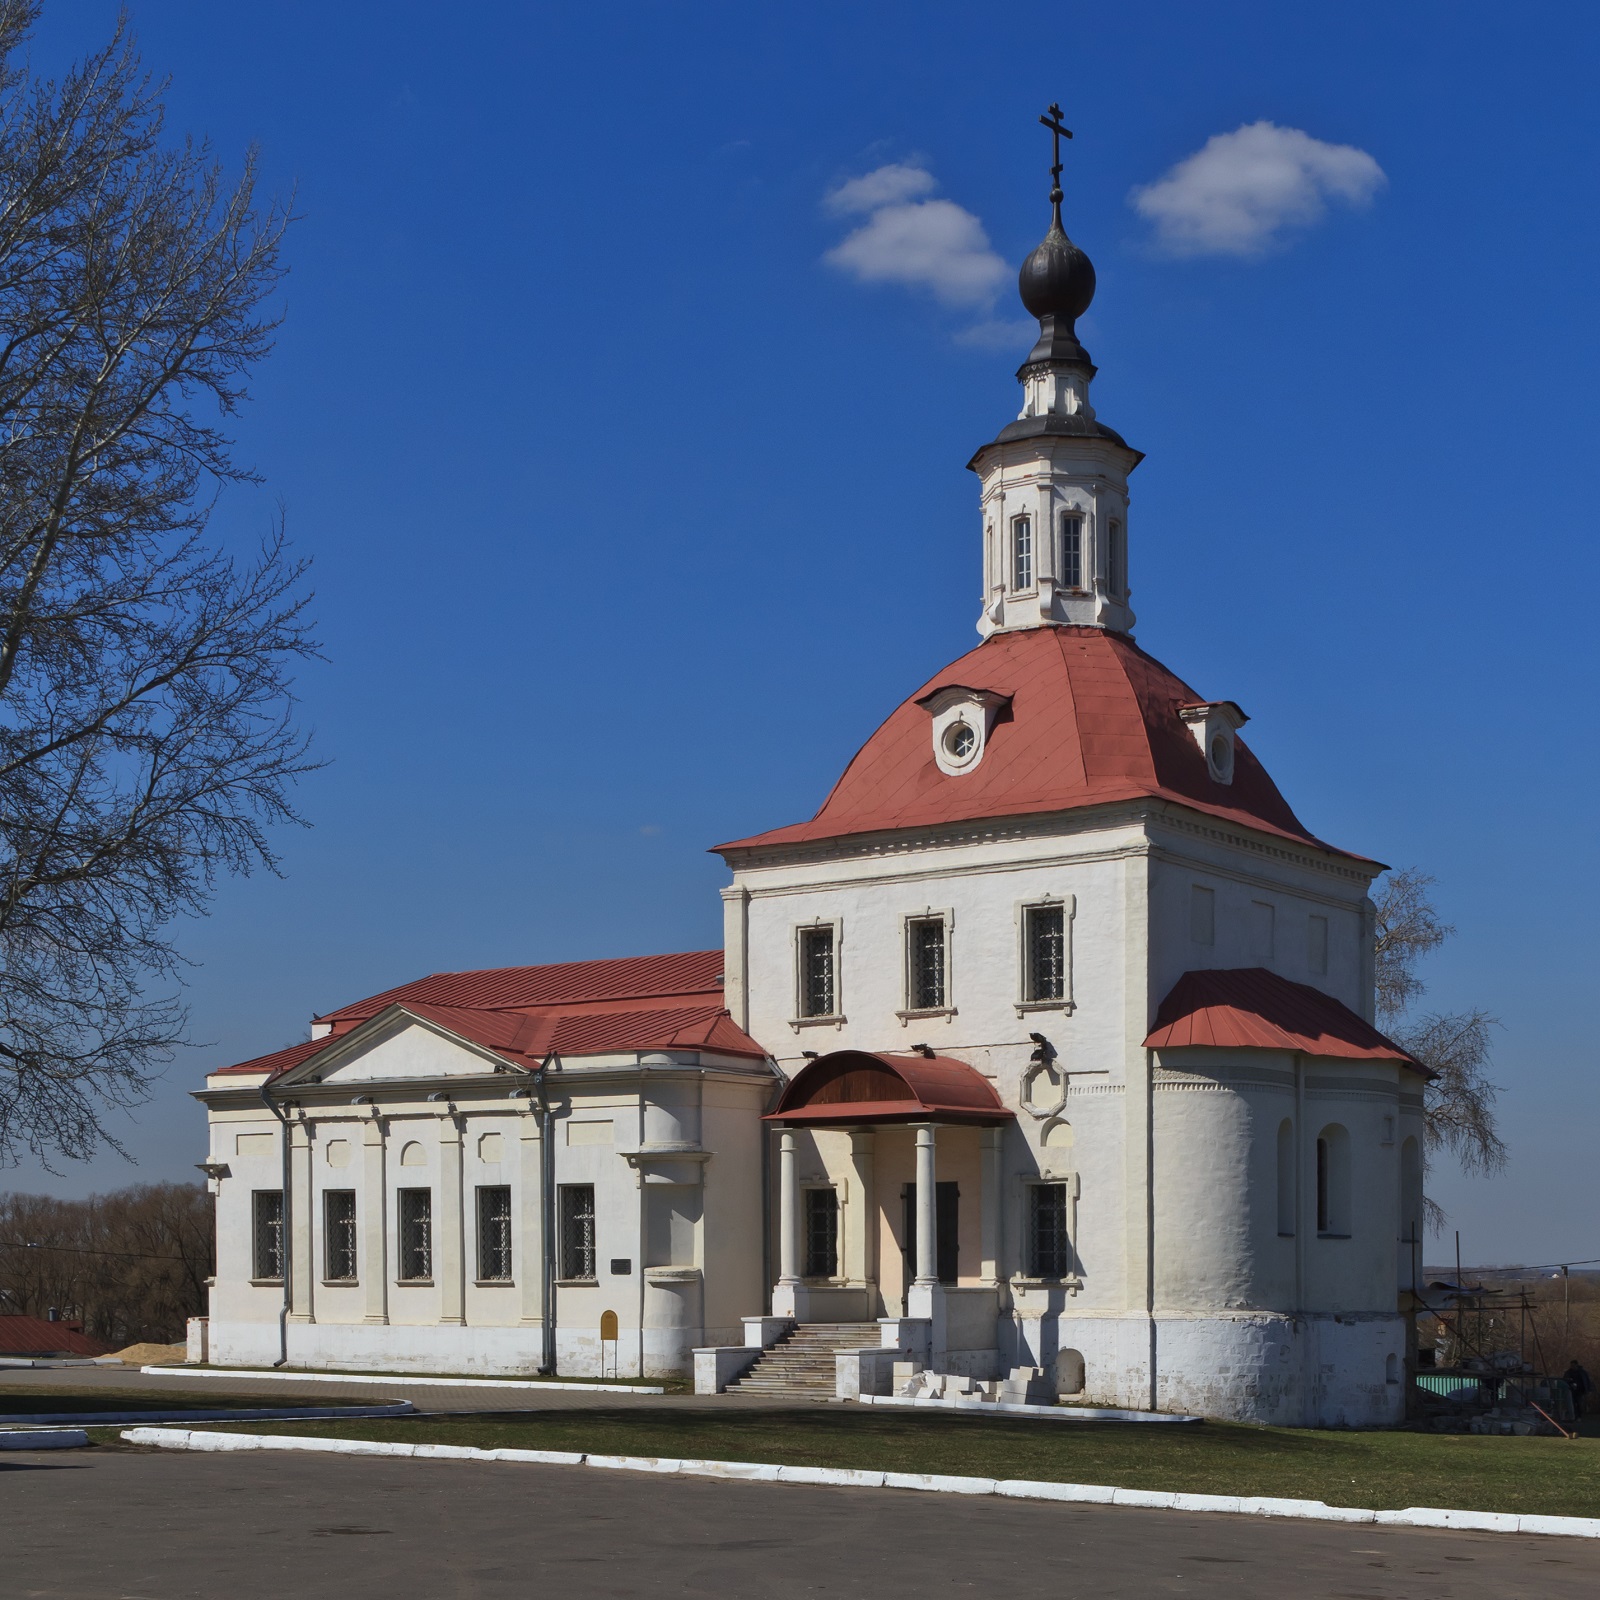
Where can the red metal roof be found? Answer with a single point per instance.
(521, 1014)
(874, 1086)
(35, 1336)
(1249, 1008)
(1092, 720)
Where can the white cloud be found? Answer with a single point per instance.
(884, 186)
(998, 333)
(1241, 192)
(921, 243)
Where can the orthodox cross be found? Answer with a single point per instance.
(1052, 120)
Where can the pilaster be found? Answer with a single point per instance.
(529, 1265)
(373, 1214)
(449, 1245)
(302, 1223)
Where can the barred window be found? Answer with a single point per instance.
(1022, 552)
(818, 988)
(494, 1231)
(339, 1234)
(577, 1231)
(925, 958)
(416, 1233)
(822, 1233)
(1072, 551)
(267, 1219)
(1049, 1248)
(1044, 953)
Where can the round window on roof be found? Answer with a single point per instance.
(960, 741)
(1221, 753)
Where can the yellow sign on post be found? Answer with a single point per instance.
(608, 1325)
(608, 1335)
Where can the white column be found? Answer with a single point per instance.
(448, 1244)
(989, 1220)
(927, 1212)
(860, 1232)
(374, 1235)
(530, 1222)
(788, 1211)
(302, 1222)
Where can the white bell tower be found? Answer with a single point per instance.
(1055, 481)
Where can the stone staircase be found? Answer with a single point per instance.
(800, 1365)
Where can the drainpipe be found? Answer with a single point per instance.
(547, 1225)
(288, 1231)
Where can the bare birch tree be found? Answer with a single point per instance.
(146, 734)
(1459, 1101)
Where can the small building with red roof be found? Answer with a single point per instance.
(1043, 1053)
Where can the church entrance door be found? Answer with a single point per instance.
(947, 1226)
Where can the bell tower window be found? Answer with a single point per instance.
(1071, 550)
(1022, 552)
(1118, 561)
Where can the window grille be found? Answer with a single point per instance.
(818, 991)
(339, 1233)
(494, 1231)
(1022, 552)
(822, 1233)
(1045, 938)
(925, 957)
(268, 1220)
(1049, 1248)
(577, 1231)
(1071, 551)
(416, 1233)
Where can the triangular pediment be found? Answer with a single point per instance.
(397, 1046)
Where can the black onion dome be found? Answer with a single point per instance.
(1057, 280)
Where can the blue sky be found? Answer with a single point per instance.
(632, 514)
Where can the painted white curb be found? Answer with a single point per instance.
(43, 1439)
(1017, 1409)
(935, 1483)
(402, 1380)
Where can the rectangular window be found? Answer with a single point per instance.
(1022, 552)
(1202, 914)
(494, 1232)
(1071, 551)
(1117, 561)
(1049, 1248)
(1044, 935)
(267, 1220)
(1262, 933)
(925, 955)
(1323, 1209)
(339, 1235)
(822, 1233)
(416, 1234)
(577, 1231)
(1317, 946)
(818, 989)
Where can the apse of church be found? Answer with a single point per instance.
(1041, 1056)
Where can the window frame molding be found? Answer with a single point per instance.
(1032, 585)
(354, 1279)
(1026, 1278)
(911, 1012)
(1070, 509)
(1066, 1004)
(835, 1018)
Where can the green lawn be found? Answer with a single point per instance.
(1382, 1470)
(35, 1402)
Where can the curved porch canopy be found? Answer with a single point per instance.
(870, 1086)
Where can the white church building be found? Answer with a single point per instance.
(1047, 1043)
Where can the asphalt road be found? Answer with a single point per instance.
(126, 1525)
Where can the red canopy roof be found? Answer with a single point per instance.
(872, 1086)
(521, 1014)
(1249, 1008)
(1092, 720)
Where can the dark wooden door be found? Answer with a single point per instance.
(947, 1223)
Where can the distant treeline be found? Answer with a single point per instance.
(130, 1265)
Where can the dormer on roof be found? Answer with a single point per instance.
(962, 719)
(1213, 724)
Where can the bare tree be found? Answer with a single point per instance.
(1459, 1100)
(146, 740)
